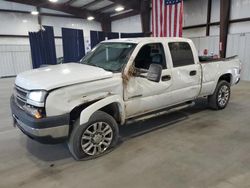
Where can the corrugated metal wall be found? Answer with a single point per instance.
(15, 59)
(238, 44)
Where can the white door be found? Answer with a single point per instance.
(185, 72)
(140, 94)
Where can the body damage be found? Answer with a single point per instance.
(213, 71)
(65, 99)
(84, 89)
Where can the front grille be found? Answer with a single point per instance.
(20, 95)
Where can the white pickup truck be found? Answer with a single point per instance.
(119, 80)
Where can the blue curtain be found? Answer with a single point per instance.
(93, 39)
(132, 35)
(112, 35)
(42, 44)
(97, 36)
(73, 45)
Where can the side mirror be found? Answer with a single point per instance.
(154, 73)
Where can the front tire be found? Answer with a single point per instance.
(220, 97)
(94, 138)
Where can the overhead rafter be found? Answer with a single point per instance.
(69, 2)
(82, 13)
(105, 8)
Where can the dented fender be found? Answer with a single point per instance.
(87, 112)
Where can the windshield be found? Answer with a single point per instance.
(109, 56)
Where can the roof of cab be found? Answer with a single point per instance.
(148, 39)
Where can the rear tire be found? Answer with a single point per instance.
(95, 138)
(220, 97)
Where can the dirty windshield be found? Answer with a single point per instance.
(109, 56)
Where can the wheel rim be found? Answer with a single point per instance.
(96, 138)
(223, 95)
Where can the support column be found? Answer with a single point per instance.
(224, 24)
(145, 17)
(39, 17)
(106, 25)
(209, 5)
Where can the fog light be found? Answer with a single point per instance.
(33, 111)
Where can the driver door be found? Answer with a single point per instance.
(142, 95)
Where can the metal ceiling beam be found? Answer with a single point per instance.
(69, 2)
(82, 13)
(105, 8)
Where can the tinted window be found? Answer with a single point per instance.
(148, 54)
(181, 53)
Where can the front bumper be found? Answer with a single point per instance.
(47, 130)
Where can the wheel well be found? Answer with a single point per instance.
(227, 77)
(75, 113)
(111, 109)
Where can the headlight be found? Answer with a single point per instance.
(36, 98)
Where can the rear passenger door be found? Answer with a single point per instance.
(186, 72)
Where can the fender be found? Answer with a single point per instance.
(87, 112)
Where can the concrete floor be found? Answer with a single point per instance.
(193, 148)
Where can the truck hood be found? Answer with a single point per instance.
(55, 76)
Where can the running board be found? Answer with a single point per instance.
(160, 112)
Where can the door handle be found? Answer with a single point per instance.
(165, 78)
(193, 73)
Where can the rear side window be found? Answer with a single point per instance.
(181, 53)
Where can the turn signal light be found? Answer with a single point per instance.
(34, 112)
(37, 115)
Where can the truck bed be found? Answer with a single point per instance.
(209, 59)
(212, 69)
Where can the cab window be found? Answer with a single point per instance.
(181, 53)
(150, 53)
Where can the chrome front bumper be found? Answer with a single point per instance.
(47, 130)
(53, 132)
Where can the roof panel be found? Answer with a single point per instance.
(100, 5)
(110, 10)
(80, 3)
(61, 1)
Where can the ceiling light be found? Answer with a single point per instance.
(90, 18)
(34, 13)
(119, 9)
(25, 21)
(53, 1)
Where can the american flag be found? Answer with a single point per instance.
(167, 18)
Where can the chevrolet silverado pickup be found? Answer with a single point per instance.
(120, 80)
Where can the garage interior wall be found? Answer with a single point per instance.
(195, 12)
(15, 51)
(127, 25)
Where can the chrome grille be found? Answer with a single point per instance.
(20, 95)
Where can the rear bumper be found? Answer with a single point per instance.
(47, 130)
